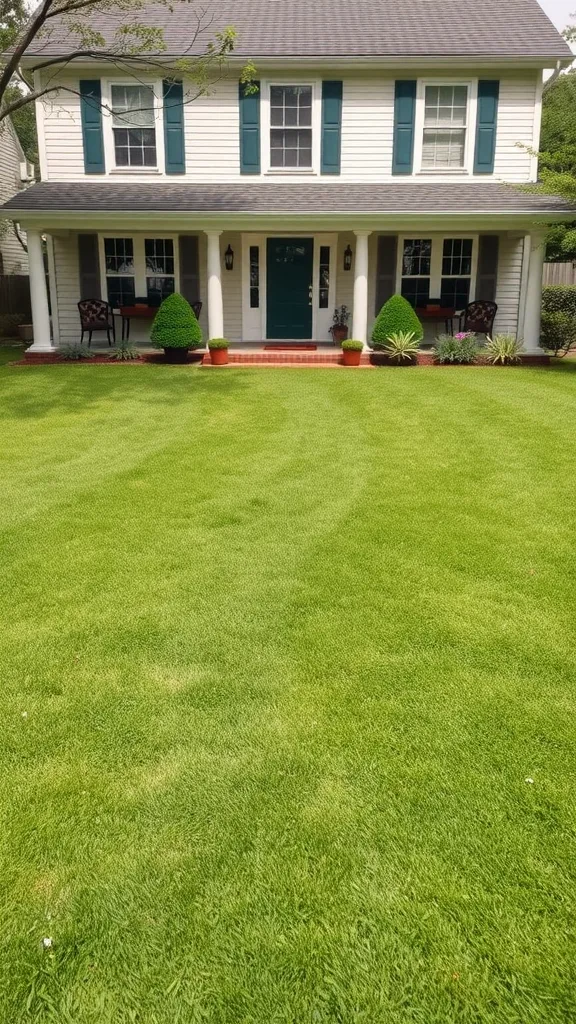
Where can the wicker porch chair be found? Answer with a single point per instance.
(478, 316)
(96, 315)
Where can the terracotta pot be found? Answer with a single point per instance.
(339, 334)
(350, 357)
(176, 355)
(219, 356)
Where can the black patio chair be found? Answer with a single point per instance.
(478, 316)
(96, 315)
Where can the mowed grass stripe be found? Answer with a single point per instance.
(288, 644)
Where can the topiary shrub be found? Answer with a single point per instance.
(175, 325)
(396, 317)
(558, 331)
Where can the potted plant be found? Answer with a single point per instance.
(218, 348)
(396, 317)
(339, 329)
(351, 352)
(176, 329)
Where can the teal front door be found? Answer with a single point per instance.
(289, 287)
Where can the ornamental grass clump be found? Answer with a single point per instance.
(458, 348)
(175, 325)
(504, 349)
(396, 317)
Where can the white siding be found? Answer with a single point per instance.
(232, 287)
(14, 258)
(509, 280)
(516, 114)
(67, 287)
(212, 132)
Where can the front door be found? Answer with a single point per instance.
(289, 263)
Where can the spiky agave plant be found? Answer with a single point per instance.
(504, 349)
(401, 345)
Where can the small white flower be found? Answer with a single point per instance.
(531, 781)
(24, 714)
(47, 943)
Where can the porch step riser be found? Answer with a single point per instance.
(306, 358)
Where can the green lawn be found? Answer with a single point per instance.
(280, 650)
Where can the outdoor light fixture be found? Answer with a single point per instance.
(229, 258)
(347, 258)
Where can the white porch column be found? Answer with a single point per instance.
(360, 303)
(38, 295)
(532, 308)
(215, 303)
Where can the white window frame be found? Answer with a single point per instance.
(254, 320)
(436, 274)
(470, 141)
(108, 128)
(265, 86)
(140, 272)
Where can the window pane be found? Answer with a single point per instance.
(132, 104)
(416, 256)
(158, 288)
(445, 106)
(254, 277)
(120, 291)
(457, 256)
(291, 147)
(135, 147)
(119, 255)
(443, 148)
(455, 292)
(416, 290)
(324, 276)
(159, 253)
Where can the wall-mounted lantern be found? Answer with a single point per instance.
(229, 258)
(347, 258)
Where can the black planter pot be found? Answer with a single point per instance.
(176, 355)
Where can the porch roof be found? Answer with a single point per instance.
(276, 198)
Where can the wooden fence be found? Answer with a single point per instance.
(559, 273)
(15, 294)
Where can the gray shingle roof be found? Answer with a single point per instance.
(277, 198)
(386, 28)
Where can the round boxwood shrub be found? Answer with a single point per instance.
(218, 343)
(175, 325)
(351, 345)
(396, 316)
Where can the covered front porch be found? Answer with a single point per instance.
(261, 277)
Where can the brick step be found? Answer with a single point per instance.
(281, 358)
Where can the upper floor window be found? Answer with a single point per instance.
(133, 125)
(291, 126)
(445, 127)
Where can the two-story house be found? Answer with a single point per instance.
(381, 153)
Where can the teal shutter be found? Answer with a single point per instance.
(488, 95)
(91, 115)
(174, 155)
(404, 115)
(249, 129)
(331, 127)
